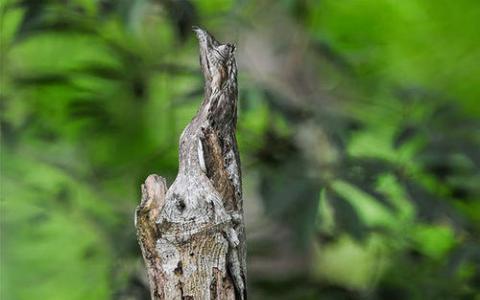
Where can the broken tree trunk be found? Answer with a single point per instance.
(192, 235)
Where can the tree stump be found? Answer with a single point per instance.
(192, 235)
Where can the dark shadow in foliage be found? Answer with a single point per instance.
(346, 217)
(291, 112)
(431, 207)
(404, 134)
(363, 172)
(93, 109)
(289, 195)
(183, 15)
(40, 17)
(41, 79)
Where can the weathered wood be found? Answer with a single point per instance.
(192, 235)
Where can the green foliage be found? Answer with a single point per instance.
(381, 181)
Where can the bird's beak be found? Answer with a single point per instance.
(205, 45)
(203, 36)
(198, 30)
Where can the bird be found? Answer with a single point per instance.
(203, 208)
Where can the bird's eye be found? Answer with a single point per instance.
(225, 50)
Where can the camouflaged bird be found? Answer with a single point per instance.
(199, 250)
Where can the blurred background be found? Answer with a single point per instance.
(359, 132)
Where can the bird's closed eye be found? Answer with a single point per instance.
(225, 51)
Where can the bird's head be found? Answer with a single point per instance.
(217, 59)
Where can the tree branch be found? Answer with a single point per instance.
(192, 235)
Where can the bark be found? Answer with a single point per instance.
(192, 234)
